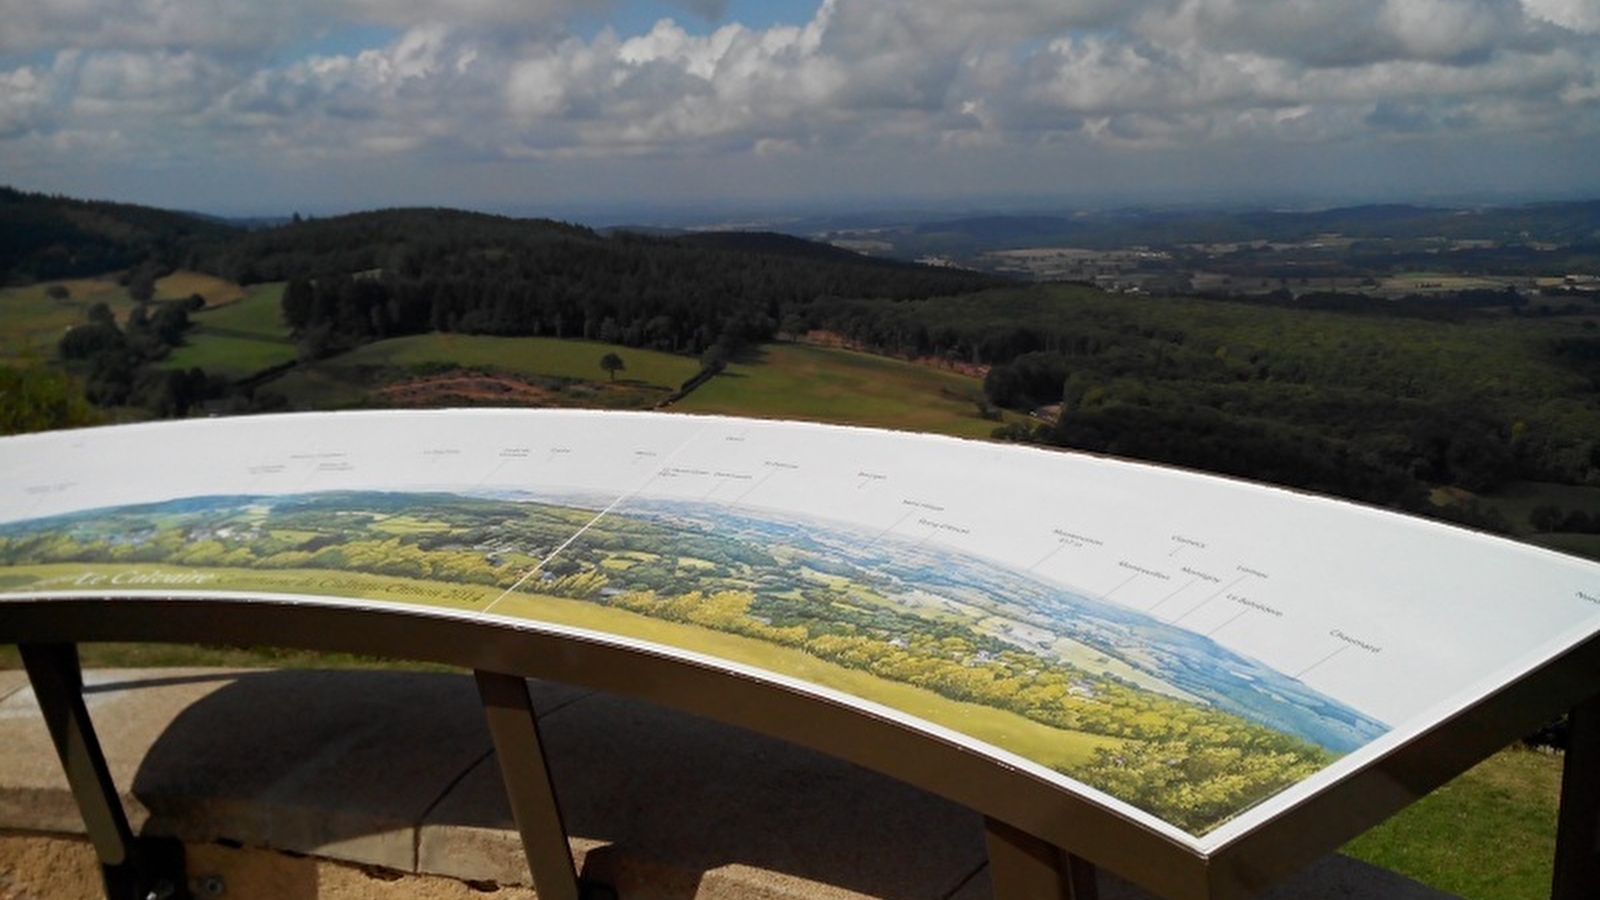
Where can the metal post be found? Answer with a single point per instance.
(1577, 862)
(133, 870)
(1024, 867)
(515, 728)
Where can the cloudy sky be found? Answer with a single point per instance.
(267, 106)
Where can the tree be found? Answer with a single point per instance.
(169, 323)
(83, 342)
(613, 364)
(100, 314)
(298, 303)
(142, 284)
(714, 359)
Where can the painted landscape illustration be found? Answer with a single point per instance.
(1157, 716)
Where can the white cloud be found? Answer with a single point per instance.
(243, 28)
(1350, 33)
(160, 83)
(508, 79)
(24, 98)
(1577, 15)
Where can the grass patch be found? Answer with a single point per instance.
(795, 381)
(182, 284)
(1488, 835)
(1439, 282)
(257, 312)
(400, 525)
(542, 357)
(238, 339)
(462, 370)
(1517, 501)
(34, 322)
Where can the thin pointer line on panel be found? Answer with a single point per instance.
(621, 498)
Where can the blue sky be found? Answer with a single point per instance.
(257, 107)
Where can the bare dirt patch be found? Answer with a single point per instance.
(469, 388)
(466, 389)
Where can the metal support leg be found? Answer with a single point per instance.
(133, 869)
(1577, 863)
(515, 729)
(1024, 867)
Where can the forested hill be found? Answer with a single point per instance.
(378, 240)
(45, 237)
(369, 276)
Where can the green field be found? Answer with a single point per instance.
(454, 369)
(1441, 282)
(1517, 501)
(237, 339)
(545, 357)
(788, 381)
(183, 284)
(34, 322)
(794, 381)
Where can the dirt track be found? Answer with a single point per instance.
(446, 390)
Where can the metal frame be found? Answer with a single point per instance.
(1577, 864)
(1023, 867)
(514, 726)
(1043, 841)
(131, 868)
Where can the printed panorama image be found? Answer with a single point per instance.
(1159, 717)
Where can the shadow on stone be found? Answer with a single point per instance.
(397, 770)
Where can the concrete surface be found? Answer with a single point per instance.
(358, 784)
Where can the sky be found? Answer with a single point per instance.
(263, 107)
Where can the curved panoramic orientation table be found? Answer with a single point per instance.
(1197, 683)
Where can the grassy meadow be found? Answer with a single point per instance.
(453, 370)
(539, 357)
(238, 339)
(796, 381)
(34, 322)
(183, 284)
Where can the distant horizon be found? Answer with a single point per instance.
(710, 214)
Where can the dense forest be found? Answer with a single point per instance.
(1374, 407)
(353, 279)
